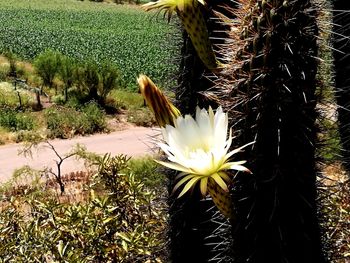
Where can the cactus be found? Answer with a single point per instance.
(164, 111)
(269, 89)
(196, 228)
(197, 231)
(191, 16)
(341, 55)
(270, 92)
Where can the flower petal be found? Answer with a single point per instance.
(237, 150)
(219, 181)
(182, 174)
(175, 166)
(235, 166)
(182, 181)
(225, 176)
(204, 185)
(189, 185)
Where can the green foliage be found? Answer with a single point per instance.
(66, 73)
(124, 35)
(90, 78)
(10, 97)
(27, 136)
(16, 121)
(141, 117)
(147, 170)
(12, 61)
(95, 82)
(67, 122)
(95, 116)
(126, 99)
(46, 65)
(109, 79)
(118, 221)
(4, 72)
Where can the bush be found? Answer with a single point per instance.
(95, 116)
(97, 81)
(120, 221)
(66, 71)
(47, 66)
(141, 117)
(147, 170)
(9, 97)
(16, 121)
(110, 80)
(67, 122)
(4, 71)
(27, 136)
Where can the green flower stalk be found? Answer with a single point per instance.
(164, 111)
(193, 21)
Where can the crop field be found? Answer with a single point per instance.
(136, 41)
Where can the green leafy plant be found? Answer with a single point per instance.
(117, 222)
(130, 39)
(47, 65)
(67, 122)
(16, 121)
(109, 80)
(66, 72)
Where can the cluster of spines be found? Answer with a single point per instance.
(269, 90)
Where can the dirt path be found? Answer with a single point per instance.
(135, 142)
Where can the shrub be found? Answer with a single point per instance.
(67, 122)
(4, 71)
(141, 117)
(147, 170)
(110, 79)
(46, 65)
(97, 81)
(66, 72)
(95, 116)
(27, 136)
(10, 98)
(120, 221)
(16, 121)
(89, 77)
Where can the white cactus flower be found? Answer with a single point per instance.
(199, 149)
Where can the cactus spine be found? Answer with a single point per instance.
(270, 91)
(341, 53)
(193, 222)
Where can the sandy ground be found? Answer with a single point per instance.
(135, 142)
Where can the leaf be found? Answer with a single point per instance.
(61, 248)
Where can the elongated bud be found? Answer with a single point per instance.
(194, 23)
(164, 111)
(222, 199)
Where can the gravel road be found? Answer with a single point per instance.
(135, 142)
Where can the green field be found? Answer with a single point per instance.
(126, 35)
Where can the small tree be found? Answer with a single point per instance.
(46, 66)
(90, 80)
(66, 73)
(109, 80)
